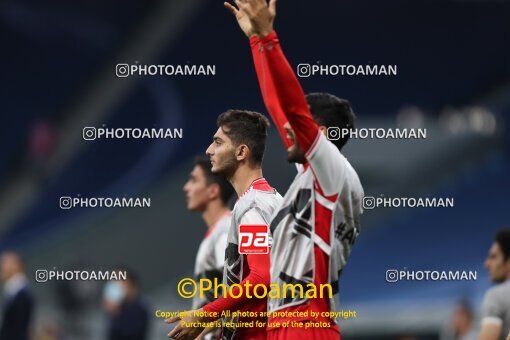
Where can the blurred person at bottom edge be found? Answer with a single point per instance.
(129, 317)
(17, 303)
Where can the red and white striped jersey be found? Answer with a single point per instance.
(321, 210)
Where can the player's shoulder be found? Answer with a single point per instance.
(265, 199)
(224, 223)
(332, 154)
(328, 153)
(256, 202)
(497, 292)
(351, 174)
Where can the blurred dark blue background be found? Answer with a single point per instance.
(58, 76)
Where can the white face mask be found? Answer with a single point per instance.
(113, 292)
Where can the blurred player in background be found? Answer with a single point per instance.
(462, 322)
(129, 317)
(315, 227)
(237, 151)
(17, 300)
(209, 194)
(496, 304)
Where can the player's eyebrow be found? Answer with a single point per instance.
(217, 139)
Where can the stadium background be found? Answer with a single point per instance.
(58, 75)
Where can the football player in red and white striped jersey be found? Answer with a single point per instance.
(318, 221)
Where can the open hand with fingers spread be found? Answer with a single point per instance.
(254, 16)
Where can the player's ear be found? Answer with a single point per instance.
(213, 191)
(242, 152)
(507, 265)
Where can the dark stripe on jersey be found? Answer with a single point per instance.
(231, 278)
(279, 217)
(304, 224)
(302, 231)
(213, 274)
(334, 287)
(299, 204)
(232, 254)
(289, 279)
(227, 333)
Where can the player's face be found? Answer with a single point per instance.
(222, 154)
(196, 190)
(498, 268)
(294, 153)
(7, 266)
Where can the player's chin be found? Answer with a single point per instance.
(498, 279)
(190, 206)
(294, 156)
(215, 169)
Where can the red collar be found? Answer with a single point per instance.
(259, 184)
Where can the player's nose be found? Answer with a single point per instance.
(209, 152)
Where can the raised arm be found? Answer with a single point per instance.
(282, 87)
(284, 97)
(267, 87)
(282, 93)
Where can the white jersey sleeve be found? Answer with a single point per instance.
(252, 216)
(328, 165)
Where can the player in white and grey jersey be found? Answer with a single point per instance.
(209, 194)
(318, 221)
(237, 151)
(496, 304)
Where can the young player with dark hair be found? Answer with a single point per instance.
(237, 151)
(209, 194)
(315, 227)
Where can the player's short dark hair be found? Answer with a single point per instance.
(246, 127)
(330, 111)
(503, 240)
(226, 189)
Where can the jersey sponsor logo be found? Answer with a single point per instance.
(254, 239)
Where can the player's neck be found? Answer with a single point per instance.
(243, 178)
(214, 211)
(507, 277)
